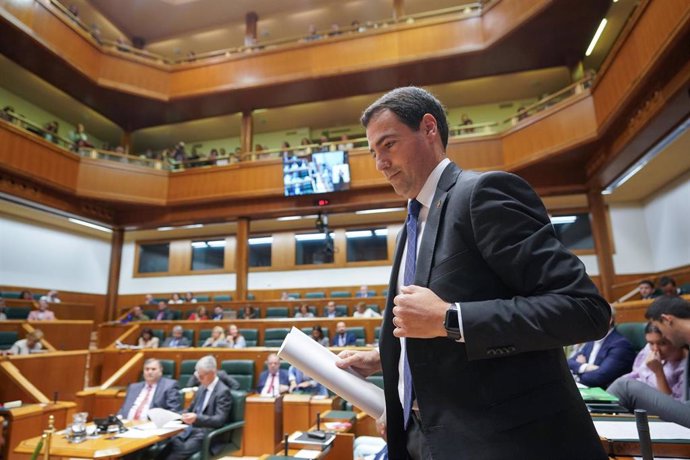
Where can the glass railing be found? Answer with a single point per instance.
(165, 159)
(469, 9)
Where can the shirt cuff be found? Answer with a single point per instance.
(462, 332)
(582, 368)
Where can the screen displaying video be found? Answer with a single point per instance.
(319, 172)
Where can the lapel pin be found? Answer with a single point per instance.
(438, 204)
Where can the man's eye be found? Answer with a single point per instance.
(389, 144)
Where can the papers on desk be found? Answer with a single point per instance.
(147, 430)
(306, 453)
(160, 416)
(627, 430)
(318, 362)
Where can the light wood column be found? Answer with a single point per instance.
(398, 9)
(114, 273)
(242, 258)
(250, 22)
(247, 133)
(602, 241)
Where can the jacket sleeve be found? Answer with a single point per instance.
(173, 401)
(556, 303)
(223, 403)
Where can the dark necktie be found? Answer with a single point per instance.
(408, 279)
(199, 406)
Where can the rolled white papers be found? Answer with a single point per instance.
(318, 362)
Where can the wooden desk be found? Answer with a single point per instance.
(101, 448)
(263, 429)
(30, 420)
(299, 411)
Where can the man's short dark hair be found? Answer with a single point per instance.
(648, 283)
(667, 305)
(666, 280)
(410, 104)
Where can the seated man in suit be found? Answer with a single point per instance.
(208, 411)
(342, 338)
(301, 383)
(646, 288)
(599, 363)
(154, 391)
(164, 313)
(176, 339)
(330, 311)
(274, 380)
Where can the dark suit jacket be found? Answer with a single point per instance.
(283, 379)
(506, 393)
(216, 413)
(350, 340)
(615, 358)
(166, 396)
(182, 342)
(168, 315)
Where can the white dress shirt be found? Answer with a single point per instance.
(140, 400)
(272, 385)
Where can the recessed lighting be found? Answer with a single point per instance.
(260, 240)
(379, 210)
(216, 244)
(286, 218)
(561, 220)
(311, 237)
(164, 229)
(359, 234)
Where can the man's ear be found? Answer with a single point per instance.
(666, 318)
(428, 124)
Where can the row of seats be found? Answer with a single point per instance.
(17, 312)
(291, 295)
(271, 312)
(7, 338)
(273, 337)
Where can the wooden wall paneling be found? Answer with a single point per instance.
(126, 75)
(180, 256)
(339, 247)
(66, 335)
(114, 272)
(29, 156)
(565, 126)
(503, 15)
(242, 258)
(602, 242)
(109, 332)
(263, 428)
(17, 386)
(363, 170)
(478, 154)
(62, 372)
(107, 179)
(642, 49)
(283, 250)
(230, 249)
(30, 420)
(74, 306)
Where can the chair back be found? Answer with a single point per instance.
(186, 371)
(251, 336)
(7, 339)
(277, 312)
(634, 332)
(273, 337)
(241, 370)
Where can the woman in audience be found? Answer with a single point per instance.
(361, 311)
(317, 334)
(199, 315)
(304, 312)
(234, 338)
(250, 312)
(26, 295)
(217, 339)
(176, 298)
(147, 339)
(42, 314)
(3, 314)
(189, 298)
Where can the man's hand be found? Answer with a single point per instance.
(362, 362)
(189, 418)
(581, 359)
(419, 313)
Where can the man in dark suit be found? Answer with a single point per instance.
(342, 338)
(482, 298)
(209, 410)
(164, 313)
(176, 339)
(599, 363)
(274, 380)
(154, 391)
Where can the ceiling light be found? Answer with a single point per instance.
(216, 244)
(359, 234)
(561, 220)
(379, 210)
(90, 225)
(199, 244)
(597, 34)
(311, 237)
(286, 218)
(193, 226)
(381, 232)
(164, 229)
(260, 240)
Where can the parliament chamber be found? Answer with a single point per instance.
(160, 175)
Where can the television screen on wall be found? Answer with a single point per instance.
(319, 172)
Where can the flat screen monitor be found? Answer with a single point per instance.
(319, 172)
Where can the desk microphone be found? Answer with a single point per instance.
(318, 421)
(55, 397)
(286, 444)
(318, 434)
(643, 432)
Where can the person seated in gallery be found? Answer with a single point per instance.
(51, 297)
(300, 383)
(659, 365)
(250, 312)
(668, 286)
(646, 289)
(164, 313)
(189, 298)
(199, 315)
(363, 291)
(217, 339)
(30, 344)
(147, 339)
(135, 314)
(342, 337)
(330, 311)
(599, 363)
(362, 311)
(318, 335)
(218, 312)
(154, 391)
(175, 299)
(26, 295)
(3, 310)
(274, 380)
(176, 339)
(234, 339)
(149, 300)
(42, 314)
(304, 312)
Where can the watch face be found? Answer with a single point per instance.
(452, 319)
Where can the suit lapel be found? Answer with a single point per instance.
(387, 323)
(436, 211)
